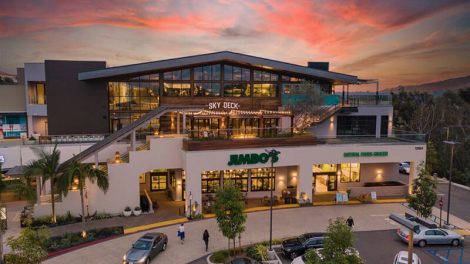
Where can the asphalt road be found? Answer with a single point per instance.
(460, 201)
(377, 247)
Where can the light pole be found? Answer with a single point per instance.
(452, 143)
(272, 153)
(190, 206)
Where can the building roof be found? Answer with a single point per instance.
(147, 67)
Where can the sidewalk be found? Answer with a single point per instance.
(286, 223)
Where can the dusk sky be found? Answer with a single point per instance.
(398, 42)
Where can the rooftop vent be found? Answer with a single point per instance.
(324, 66)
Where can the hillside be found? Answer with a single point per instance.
(436, 87)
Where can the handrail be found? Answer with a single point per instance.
(149, 200)
(125, 131)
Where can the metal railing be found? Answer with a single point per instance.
(394, 138)
(369, 99)
(272, 132)
(65, 139)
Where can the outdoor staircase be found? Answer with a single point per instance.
(324, 112)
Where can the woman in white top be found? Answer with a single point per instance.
(181, 233)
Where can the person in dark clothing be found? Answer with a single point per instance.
(350, 221)
(205, 237)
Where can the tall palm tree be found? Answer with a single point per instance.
(76, 173)
(48, 166)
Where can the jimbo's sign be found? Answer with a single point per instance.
(252, 158)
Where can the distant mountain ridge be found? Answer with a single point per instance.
(435, 87)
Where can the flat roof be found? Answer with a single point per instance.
(215, 57)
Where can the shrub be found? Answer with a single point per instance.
(127, 209)
(258, 252)
(137, 208)
(102, 215)
(219, 256)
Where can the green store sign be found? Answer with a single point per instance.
(366, 154)
(253, 158)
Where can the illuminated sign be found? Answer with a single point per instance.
(252, 158)
(366, 154)
(223, 105)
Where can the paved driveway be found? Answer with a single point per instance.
(286, 222)
(460, 201)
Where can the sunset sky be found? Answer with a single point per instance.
(398, 42)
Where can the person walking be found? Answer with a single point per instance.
(350, 222)
(181, 233)
(205, 237)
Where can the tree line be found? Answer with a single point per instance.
(441, 118)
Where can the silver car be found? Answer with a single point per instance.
(432, 236)
(146, 248)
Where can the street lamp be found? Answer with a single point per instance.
(272, 153)
(190, 206)
(452, 143)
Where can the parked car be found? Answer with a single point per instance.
(431, 236)
(302, 259)
(146, 248)
(402, 258)
(295, 247)
(404, 168)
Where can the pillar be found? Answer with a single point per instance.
(413, 175)
(178, 123)
(184, 122)
(378, 125)
(193, 187)
(38, 189)
(304, 181)
(179, 185)
(133, 141)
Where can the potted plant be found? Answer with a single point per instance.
(127, 211)
(31, 140)
(137, 211)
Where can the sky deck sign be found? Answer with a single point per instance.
(223, 105)
(252, 158)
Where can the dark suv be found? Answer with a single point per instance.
(297, 246)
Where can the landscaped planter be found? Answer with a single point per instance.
(127, 211)
(137, 211)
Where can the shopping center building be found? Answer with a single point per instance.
(186, 127)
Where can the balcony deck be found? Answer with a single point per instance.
(215, 144)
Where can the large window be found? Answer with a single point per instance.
(206, 89)
(176, 89)
(139, 94)
(265, 89)
(262, 179)
(237, 89)
(356, 126)
(207, 73)
(233, 73)
(327, 167)
(178, 75)
(238, 178)
(244, 127)
(37, 93)
(158, 180)
(210, 181)
(350, 172)
(384, 126)
(262, 76)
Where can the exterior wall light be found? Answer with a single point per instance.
(117, 157)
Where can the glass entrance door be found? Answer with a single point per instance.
(325, 183)
(332, 183)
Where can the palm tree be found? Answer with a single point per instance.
(75, 174)
(47, 166)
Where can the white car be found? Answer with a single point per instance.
(404, 167)
(402, 258)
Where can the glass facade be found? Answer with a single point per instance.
(238, 178)
(13, 125)
(158, 180)
(129, 98)
(37, 93)
(262, 179)
(350, 172)
(210, 181)
(356, 125)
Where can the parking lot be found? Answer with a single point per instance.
(381, 247)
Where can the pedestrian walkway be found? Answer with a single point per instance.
(286, 223)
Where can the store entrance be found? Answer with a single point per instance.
(325, 183)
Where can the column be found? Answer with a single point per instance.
(30, 125)
(179, 185)
(305, 181)
(38, 189)
(378, 124)
(413, 174)
(193, 187)
(133, 141)
(184, 122)
(178, 123)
